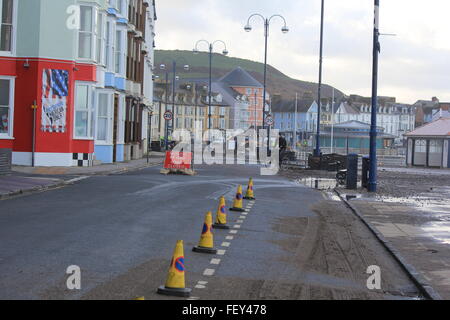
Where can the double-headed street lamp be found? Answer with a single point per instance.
(211, 51)
(284, 29)
(163, 67)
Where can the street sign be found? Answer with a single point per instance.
(168, 115)
(269, 120)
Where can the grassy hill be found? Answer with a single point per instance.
(277, 82)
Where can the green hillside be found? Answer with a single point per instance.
(277, 82)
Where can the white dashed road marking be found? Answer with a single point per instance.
(221, 252)
(208, 272)
(225, 244)
(233, 231)
(229, 237)
(237, 226)
(215, 261)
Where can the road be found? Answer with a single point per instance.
(294, 243)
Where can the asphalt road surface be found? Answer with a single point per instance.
(294, 243)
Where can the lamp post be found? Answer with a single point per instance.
(319, 102)
(163, 67)
(284, 29)
(373, 126)
(211, 51)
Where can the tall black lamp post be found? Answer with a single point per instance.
(211, 51)
(319, 90)
(372, 187)
(284, 29)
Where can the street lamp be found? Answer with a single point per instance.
(319, 98)
(373, 126)
(284, 29)
(211, 50)
(163, 67)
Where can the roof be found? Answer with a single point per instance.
(289, 105)
(440, 127)
(355, 124)
(240, 78)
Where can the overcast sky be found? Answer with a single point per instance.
(414, 65)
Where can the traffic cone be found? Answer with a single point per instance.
(221, 216)
(206, 243)
(237, 205)
(175, 283)
(250, 195)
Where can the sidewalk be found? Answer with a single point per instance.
(420, 237)
(120, 167)
(28, 179)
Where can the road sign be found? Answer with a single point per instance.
(168, 115)
(269, 120)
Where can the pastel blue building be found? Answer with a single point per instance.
(288, 121)
(109, 94)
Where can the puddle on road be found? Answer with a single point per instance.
(439, 231)
(318, 183)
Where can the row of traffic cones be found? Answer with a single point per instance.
(175, 284)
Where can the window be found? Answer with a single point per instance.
(86, 32)
(7, 22)
(104, 117)
(6, 107)
(118, 52)
(110, 45)
(421, 146)
(83, 111)
(121, 119)
(101, 39)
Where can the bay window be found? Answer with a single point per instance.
(83, 111)
(6, 107)
(7, 25)
(104, 117)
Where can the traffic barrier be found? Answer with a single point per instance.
(206, 243)
(237, 205)
(175, 283)
(250, 194)
(221, 215)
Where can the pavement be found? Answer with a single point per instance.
(293, 243)
(25, 180)
(421, 236)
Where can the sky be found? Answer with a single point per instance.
(413, 65)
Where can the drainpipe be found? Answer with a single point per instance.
(33, 147)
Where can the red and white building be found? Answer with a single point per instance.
(55, 55)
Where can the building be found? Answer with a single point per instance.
(395, 118)
(290, 117)
(429, 145)
(81, 76)
(244, 95)
(191, 106)
(352, 137)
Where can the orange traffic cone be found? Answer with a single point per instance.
(175, 283)
(250, 195)
(206, 243)
(237, 205)
(221, 216)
